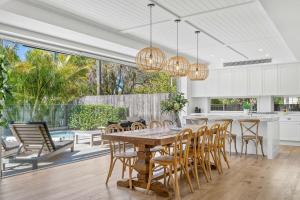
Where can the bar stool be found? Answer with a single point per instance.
(249, 130)
(231, 137)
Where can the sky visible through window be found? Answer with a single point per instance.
(20, 49)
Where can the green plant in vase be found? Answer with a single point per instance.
(174, 105)
(246, 107)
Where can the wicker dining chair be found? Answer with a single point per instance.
(230, 136)
(172, 162)
(137, 126)
(221, 144)
(197, 152)
(167, 123)
(212, 148)
(118, 151)
(249, 130)
(155, 124)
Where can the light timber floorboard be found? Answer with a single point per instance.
(247, 179)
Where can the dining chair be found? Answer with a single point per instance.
(221, 144)
(167, 123)
(197, 154)
(212, 148)
(230, 136)
(137, 126)
(118, 151)
(170, 163)
(155, 124)
(249, 131)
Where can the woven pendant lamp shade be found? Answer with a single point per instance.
(150, 59)
(177, 66)
(198, 71)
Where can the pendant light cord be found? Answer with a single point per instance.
(177, 21)
(151, 5)
(197, 48)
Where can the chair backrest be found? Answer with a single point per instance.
(167, 123)
(182, 145)
(33, 135)
(214, 134)
(249, 127)
(223, 130)
(201, 140)
(155, 124)
(137, 126)
(197, 121)
(115, 146)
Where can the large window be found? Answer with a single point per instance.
(286, 103)
(232, 104)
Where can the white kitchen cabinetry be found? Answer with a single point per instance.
(224, 82)
(288, 79)
(290, 131)
(269, 77)
(254, 81)
(239, 82)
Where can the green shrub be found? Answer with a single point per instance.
(89, 117)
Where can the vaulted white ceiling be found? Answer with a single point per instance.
(231, 30)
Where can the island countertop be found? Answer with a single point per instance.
(234, 116)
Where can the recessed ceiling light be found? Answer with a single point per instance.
(212, 55)
(267, 55)
(260, 50)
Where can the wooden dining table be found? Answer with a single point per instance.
(146, 139)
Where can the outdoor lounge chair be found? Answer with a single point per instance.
(9, 148)
(36, 143)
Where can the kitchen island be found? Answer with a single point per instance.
(268, 128)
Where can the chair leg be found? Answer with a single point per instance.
(262, 147)
(123, 167)
(230, 141)
(204, 169)
(208, 164)
(216, 161)
(234, 140)
(246, 147)
(111, 167)
(150, 176)
(177, 191)
(196, 172)
(219, 160)
(256, 143)
(225, 157)
(187, 174)
(165, 178)
(130, 174)
(242, 147)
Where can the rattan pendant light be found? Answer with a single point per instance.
(198, 71)
(177, 65)
(150, 59)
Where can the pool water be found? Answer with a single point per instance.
(62, 135)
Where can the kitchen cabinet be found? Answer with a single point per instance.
(254, 81)
(239, 82)
(269, 77)
(290, 131)
(288, 79)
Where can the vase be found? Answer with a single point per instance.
(246, 111)
(177, 120)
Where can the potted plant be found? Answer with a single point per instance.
(174, 105)
(246, 107)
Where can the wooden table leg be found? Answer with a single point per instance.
(142, 167)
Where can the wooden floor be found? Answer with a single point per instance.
(248, 178)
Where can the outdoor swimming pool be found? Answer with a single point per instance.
(62, 135)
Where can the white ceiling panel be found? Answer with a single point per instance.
(190, 7)
(241, 24)
(118, 14)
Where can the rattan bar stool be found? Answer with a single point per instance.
(231, 137)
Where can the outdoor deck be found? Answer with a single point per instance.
(248, 178)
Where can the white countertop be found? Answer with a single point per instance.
(234, 116)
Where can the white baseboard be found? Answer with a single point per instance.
(290, 143)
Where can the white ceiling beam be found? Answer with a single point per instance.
(4, 2)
